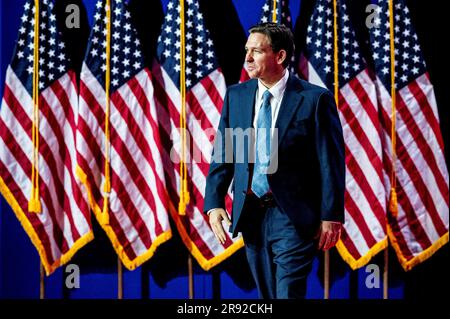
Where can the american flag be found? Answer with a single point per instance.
(364, 232)
(282, 16)
(205, 90)
(63, 226)
(138, 217)
(421, 226)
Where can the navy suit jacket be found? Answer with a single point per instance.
(309, 182)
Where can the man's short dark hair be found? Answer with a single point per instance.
(280, 38)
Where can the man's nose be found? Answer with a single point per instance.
(248, 57)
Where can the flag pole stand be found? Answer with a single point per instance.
(326, 275)
(191, 278)
(119, 279)
(41, 281)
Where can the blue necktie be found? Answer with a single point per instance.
(260, 185)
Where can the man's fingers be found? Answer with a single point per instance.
(329, 242)
(321, 240)
(326, 241)
(215, 219)
(221, 234)
(332, 238)
(224, 215)
(215, 235)
(219, 231)
(216, 231)
(329, 234)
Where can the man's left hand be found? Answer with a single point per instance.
(329, 233)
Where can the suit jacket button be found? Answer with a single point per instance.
(244, 192)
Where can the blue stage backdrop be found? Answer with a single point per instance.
(165, 275)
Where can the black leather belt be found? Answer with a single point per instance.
(267, 201)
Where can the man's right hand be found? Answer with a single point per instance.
(215, 220)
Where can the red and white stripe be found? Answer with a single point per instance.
(64, 224)
(138, 204)
(364, 232)
(421, 226)
(244, 75)
(203, 107)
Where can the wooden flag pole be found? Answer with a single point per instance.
(386, 273)
(184, 193)
(336, 56)
(393, 205)
(274, 12)
(107, 184)
(191, 277)
(393, 208)
(41, 281)
(326, 274)
(34, 203)
(119, 279)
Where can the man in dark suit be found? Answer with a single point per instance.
(288, 177)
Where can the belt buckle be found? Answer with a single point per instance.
(266, 200)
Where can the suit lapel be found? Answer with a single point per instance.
(247, 104)
(291, 100)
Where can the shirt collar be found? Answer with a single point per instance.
(277, 90)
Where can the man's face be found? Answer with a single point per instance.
(260, 59)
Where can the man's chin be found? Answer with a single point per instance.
(252, 74)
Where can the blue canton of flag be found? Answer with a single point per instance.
(409, 62)
(126, 54)
(200, 56)
(319, 45)
(283, 14)
(53, 61)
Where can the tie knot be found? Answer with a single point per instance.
(266, 96)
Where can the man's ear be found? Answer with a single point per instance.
(281, 56)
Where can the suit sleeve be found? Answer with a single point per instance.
(221, 168)
(331, 154)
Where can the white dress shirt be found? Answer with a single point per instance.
(277, 92)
